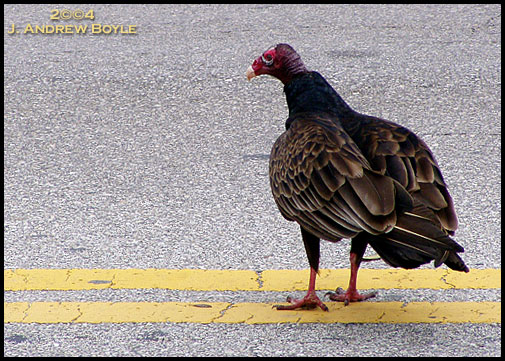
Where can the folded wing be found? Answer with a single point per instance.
(320, 178)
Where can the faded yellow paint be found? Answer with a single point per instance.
(87, 279)
(370, 312)
(250, 313)
(110, 312)
(296, 280)
(244, 280)
(187, 279)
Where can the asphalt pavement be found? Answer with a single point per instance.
(147, 148)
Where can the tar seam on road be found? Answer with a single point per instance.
(245, 280)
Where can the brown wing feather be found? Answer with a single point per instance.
(395, 151)
(320, 179)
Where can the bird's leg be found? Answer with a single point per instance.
(351, 295)
(309, 301)
(358, 247)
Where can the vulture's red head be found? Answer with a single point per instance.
(280, 61)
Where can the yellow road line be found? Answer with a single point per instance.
(244, 280)
(88, 279)
(291, 280)
(250, 313)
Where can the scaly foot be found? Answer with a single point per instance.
(351, 295)
(309, 301)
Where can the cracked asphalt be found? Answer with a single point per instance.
(151, 151)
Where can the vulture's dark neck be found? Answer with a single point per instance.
(310, 92)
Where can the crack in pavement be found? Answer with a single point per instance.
(68, 275)
(78, 316)
(259, 280)
(223, 312)
(26, 311)
(444, 279)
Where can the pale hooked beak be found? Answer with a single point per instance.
(250, 73)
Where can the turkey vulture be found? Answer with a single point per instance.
(342, 174)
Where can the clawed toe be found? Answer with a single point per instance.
(349, 296)
(310, 301)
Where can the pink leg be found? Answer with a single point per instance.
(309, 301)
(351, 295)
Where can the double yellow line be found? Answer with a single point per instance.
(246, 280)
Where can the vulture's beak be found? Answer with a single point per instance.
(250, 73)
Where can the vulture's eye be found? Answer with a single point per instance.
(267, 59)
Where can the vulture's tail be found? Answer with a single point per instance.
(418, 238)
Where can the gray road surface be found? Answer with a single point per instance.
(151, 151)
